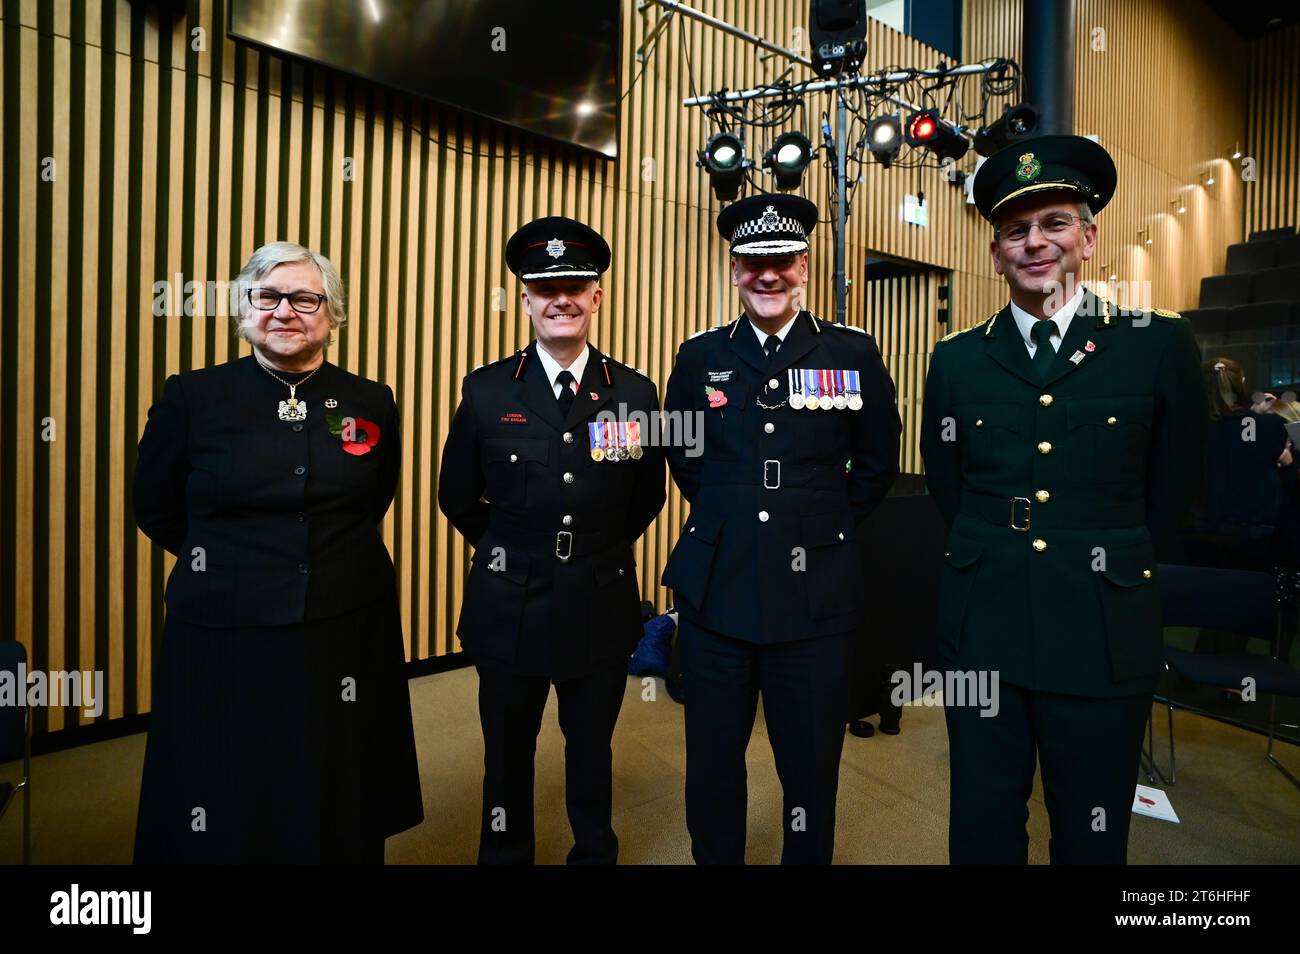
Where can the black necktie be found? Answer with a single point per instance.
(565, 380)
(1042, 334)
(770, 346)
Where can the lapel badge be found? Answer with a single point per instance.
(555, 248)
(1090, 347)
(1076, 357)
(330, 402)
(594, 395)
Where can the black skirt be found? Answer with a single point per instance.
(279, 744)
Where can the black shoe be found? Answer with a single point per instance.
(862, 728)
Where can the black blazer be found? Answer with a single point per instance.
(515, 479)
(769, 553)
(273, 522)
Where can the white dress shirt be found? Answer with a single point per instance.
(1025, 322)
(553, 368)
(762, 336)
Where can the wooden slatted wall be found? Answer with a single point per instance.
(174, 157)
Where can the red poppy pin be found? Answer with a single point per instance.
(1090, 347)
(357, 434)
(716, 397)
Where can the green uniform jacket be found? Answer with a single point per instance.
(1060, 494)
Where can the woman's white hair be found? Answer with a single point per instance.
(274, 254)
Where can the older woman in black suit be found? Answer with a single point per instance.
(281, 725)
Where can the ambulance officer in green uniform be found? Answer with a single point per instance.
(1062, 440)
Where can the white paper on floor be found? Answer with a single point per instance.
(1153, 803)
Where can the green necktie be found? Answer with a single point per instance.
(1042, 334)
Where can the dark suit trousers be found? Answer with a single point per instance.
(510, 711)
(804, 685)
(1089, 750)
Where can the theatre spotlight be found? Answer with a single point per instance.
(926, 130)
(788, 158)
(723, 158)
(884, 137)
(1015, 123)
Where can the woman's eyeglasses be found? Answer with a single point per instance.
(268, 299)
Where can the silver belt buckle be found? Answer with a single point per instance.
(563, 546)
(767, 480)
(1025, 501)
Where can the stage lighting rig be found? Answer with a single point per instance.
(838, 31)
(723, 157)
(1016, 122)
(788, 158)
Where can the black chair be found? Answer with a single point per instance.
(1266, 321)
(1270, 235)
(15, 740)
(1224, 291)
(1246, 602)
(1209, 325)
(1247, 257)
(1277, 284)
(1288, 251)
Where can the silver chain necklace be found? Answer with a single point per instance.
(292, 409)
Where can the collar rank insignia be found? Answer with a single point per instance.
(555, 248)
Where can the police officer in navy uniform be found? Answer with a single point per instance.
(552, 472)
(800, 443)
(1062, 439)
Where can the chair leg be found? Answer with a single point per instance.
(1272, 724)
(1173, 768)
(1149, 756)
(27, 822)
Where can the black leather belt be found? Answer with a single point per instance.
(773, 474)
(563, 544)
(1025, 513)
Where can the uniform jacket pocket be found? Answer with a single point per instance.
(691, 562)
(1130, 603)
(961, 566)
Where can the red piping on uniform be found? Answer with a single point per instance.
(605, 367)
(523, 356)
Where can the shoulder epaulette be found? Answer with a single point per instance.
(1165, 314)
(493, 364)
(961, 331)
(704, 332)
(834, 324)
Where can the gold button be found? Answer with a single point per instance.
(1045, 400)
(1042, 496)
(1146, 574)
(1110, 420)
(979, 423)
(1040, 544)
(1044, 447)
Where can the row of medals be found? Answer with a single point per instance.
(826, 403)
(617, 453)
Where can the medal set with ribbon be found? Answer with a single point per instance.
(824, 389)
(614, 440)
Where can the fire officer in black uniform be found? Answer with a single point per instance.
(800, 443)
(551, 471)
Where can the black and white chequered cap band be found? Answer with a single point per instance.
(769, 234)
